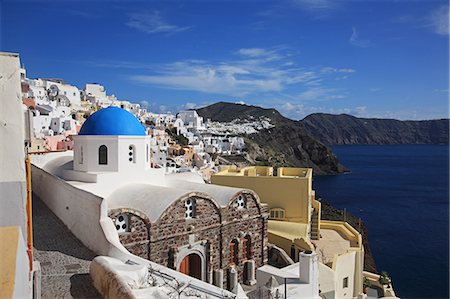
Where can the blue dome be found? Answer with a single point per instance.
(112, 121)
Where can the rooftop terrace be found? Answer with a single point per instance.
(256, 171)
(336, 237)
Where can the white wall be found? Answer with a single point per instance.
(327, 280)
(13, 192)
(71, 92)
(95, 90)
(140, 161)
(345, 267)
(78, 210)
(118, 153)
(91, 146)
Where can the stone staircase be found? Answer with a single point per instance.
(315, 225)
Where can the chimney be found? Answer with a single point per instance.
(309, 268)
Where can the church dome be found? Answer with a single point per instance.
(112, 121)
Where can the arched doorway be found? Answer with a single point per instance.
(192, 266)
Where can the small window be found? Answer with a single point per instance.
(345, 282)
(132, 153)
(277, 213)
(80, 157)
(189, 204)
(122, 223)
(241, 204)
(234, 252)
(103, 155)
(247, 247)
(146, 153)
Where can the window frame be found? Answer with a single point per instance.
(102, 155)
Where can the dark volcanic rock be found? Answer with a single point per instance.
(286, 144)
(347, 129)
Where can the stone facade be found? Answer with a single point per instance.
(137, 238)
(208, 233)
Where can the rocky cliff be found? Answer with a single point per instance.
(347, 129)
(285, 143)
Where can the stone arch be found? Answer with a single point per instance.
(135, 240)
(249, 195)
(198, 249)
(180, 202)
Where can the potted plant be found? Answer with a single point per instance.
(384, 278)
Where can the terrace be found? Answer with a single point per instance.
(336, 237)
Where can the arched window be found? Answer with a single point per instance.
(234, 252)
(247, 247)
(132, 153)
(103, 155)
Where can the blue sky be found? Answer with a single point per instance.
(366, 58)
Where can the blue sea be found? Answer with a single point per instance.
(401, 192)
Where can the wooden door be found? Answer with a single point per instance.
(184, 266)
(192, 265)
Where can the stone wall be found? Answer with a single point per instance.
(137, 239)
(212, 228)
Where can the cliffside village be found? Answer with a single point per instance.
(160, 218)
(57, 110)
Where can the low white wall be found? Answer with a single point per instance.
(327, 280)
(77, 209)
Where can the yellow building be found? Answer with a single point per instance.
(295, 225)
(290, 199)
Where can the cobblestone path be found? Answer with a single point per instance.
(64, 259)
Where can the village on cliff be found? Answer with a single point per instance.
(152, 209)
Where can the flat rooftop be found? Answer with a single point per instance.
(330, 243)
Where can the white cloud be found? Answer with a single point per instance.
(438, 20)
(331, 70)
(300, 110)
(356, 41)
(210, 79)
(152, 22)
(321, 94)
(254, 72)
(445, 90)
(189, 106)
(317, 8)
(260, 53)
(144, 104)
